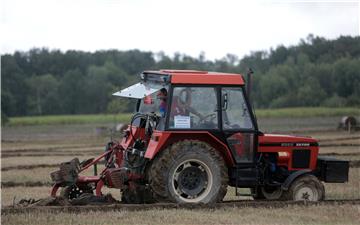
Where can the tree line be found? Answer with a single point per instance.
(315, 72)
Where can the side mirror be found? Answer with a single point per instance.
(148, 100)
(224, 101)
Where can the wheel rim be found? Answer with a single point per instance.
(192, 180)
(306, 193)
(75, 192)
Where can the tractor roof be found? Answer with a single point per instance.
(162, 77)
(199, 77)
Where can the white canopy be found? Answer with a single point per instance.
(139, 90)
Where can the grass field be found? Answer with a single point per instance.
(68, 119)
(299, 112)
(51, 144)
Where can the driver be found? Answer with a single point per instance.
(183, 108)
(178, 107)
(162, 96)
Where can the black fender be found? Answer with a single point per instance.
(285, 186)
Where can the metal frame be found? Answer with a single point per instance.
(115, 151)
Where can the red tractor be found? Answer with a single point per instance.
(195, 134)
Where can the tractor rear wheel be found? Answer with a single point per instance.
(189, 172)
(305, 188)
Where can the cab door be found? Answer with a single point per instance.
(238, 125)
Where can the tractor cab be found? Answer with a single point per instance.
(198, 102)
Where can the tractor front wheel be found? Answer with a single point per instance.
(306, 188)
(189, 172)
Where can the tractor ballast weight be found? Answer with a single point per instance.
(194, 133)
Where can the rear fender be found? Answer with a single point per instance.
(161, 139)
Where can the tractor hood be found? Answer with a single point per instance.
(286, 140)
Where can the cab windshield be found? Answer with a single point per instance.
(150, 104)
(152, 96)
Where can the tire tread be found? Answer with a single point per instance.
(157, 172)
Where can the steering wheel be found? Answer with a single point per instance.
(211, 117)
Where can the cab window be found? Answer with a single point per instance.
(193, 108)
(235, 113)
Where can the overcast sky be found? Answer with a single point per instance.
(216, 27)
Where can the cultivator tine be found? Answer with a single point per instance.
(68, 172)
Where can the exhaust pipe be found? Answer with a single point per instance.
(248, 85)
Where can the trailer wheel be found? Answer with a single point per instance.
(74, 191)
(306, 188)
(189, 172)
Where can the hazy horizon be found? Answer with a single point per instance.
(214, 27)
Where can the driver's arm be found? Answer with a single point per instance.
(193, 111)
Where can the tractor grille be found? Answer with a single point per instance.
(301, 158)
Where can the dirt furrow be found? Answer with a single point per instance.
(340, 145)
(52, 148)
(49, 154)
(19, 151)
(25, 184)
(133, 207)
(29, 167)
(340, 154)
(36, 166)
(340, 139)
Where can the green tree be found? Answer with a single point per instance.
(43, 94)
(71, 92)
(317, 71)
(14, 90)
(311, 93)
